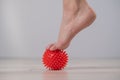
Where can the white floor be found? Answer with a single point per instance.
(77, 69)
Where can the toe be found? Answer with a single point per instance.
(53, 47)
(49, 46)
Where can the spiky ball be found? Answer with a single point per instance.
(55, 60)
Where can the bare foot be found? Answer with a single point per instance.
(77, 15)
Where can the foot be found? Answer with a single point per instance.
(77, 15)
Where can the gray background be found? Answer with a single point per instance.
(27, 26)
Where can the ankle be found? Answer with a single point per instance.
(74, 6)
(70, 6)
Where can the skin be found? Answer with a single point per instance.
(77, 15)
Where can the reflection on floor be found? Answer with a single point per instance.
(32, 69)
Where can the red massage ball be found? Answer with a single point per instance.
(55, 60)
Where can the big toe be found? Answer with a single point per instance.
(53, 47)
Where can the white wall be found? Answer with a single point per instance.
(27, 26)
